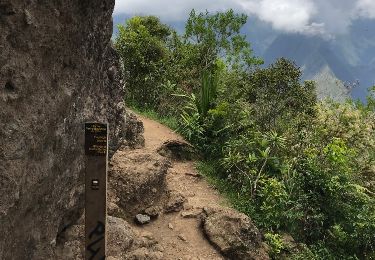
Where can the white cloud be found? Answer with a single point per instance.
(316, 17)
(366, 8)
(286, 15)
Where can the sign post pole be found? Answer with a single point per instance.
(96, 151)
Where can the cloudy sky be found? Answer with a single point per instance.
(327, 17)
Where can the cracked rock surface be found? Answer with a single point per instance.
(57, 71)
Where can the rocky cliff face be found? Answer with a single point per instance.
(57, 71)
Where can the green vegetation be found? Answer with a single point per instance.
(169, 121)
(290, 162)
(142, 47)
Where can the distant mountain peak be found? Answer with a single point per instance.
(329, 86)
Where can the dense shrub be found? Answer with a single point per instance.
(305, 167)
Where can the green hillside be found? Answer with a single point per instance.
(293, 163)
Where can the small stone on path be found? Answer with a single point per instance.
(182, 237)
(193, 174)
(142, 219)
(153, 212)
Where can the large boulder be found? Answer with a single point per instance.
(233, 234)
(137, 181)
(57, 71)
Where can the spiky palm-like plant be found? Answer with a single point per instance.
(208, 93)
(196, 109)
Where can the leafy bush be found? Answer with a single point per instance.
(312, 179)
(275, 242)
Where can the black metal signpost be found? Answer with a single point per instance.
(96, 151)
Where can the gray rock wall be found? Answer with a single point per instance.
(57, 70)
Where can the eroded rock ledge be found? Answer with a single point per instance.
(57, 70)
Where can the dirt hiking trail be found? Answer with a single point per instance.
(180, 236)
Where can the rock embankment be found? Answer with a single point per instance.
(57, 71)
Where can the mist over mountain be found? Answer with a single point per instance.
(334, 62)
(344, 60)
(358, 50)
(317, 60)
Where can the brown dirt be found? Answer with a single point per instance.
(181, 238)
